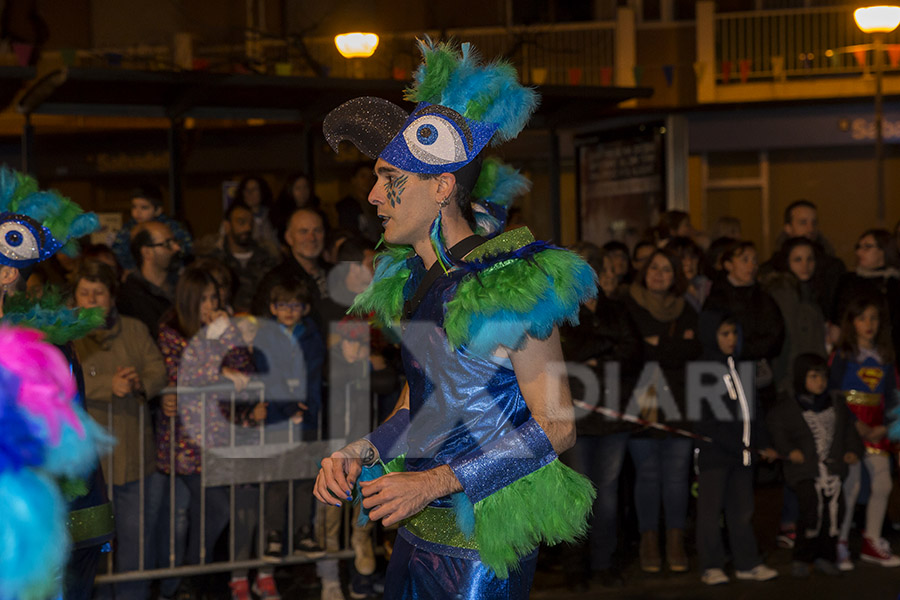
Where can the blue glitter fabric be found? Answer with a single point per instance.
(419, 570)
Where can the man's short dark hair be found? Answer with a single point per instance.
(788, 216)
(236, 205)
(149, 192)
(352, 249)
(139, 239)
(291, 290)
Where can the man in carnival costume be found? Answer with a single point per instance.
(50, 454)
(467, 463)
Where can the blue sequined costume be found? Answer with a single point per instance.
(462, 402)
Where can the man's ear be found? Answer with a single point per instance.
(8, 275)
(157, 210)
(446, 182)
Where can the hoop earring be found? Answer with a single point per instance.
(444, 203)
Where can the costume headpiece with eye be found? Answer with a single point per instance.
(36, 224)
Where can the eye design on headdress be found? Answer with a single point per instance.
(23, 241)
(438, 136)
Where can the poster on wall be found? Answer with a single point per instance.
(621, 183)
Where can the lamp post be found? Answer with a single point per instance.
(878, 21)
(356, 46)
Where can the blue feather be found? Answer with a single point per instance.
(75, 456)
(465, 513)
(8, 185)
(437, 243)
(367, 474)
(34, 542)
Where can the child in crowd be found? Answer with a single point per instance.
(726, 464)
(814, 430)
(147, 205)
(863, 370)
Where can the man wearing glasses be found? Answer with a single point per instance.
(147, 293)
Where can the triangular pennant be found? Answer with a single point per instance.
(894, 55)
(699, 70)
(23, 53)
(860, 56)
(638, 75)
(283, 69)
(606, 76)
(575, 74)
(669, 74)
(745, 69)
(726, 71)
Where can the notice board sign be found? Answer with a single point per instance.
(621, 183)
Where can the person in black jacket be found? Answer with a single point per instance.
(605, 338)
(732, 422)
(815, 431)
(667, 326)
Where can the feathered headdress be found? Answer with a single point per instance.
(35, 224)
(46, 436)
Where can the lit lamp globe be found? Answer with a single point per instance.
(356, 45)
(877, 19)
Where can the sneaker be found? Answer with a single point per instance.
(844, 563)
(309, 548)
(364, 559)
(240, 589)
(799, 569)
(264, 587)
(274, 547)
(331, 590)
(758, 573)
(878, 552)
(361, 587)
(826, 567)
(786, 538)
(714, 577)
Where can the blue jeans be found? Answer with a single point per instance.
(661, 474)
(600, 458)
(187, 524)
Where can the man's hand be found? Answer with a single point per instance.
(796, 456)
(341, 470)
(769, 454)
(170, 405)
(240, 380)
(397, 496)
(123, 381)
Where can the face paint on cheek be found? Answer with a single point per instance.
(394, 189)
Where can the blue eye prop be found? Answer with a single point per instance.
(24, 242)
(436, 139)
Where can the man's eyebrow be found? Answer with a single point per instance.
(386, 171)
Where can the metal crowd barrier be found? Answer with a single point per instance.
(231, 466)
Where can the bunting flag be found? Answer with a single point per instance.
(699, 70)
(860, 56)
(283, 69)
(778, 68)
(399, 74)
(894, 55)
(606, 76)
(200, 64)
(726, 71)
(744, 67)
(68, 56)
(669, 73)
(23, 53)
(574, 74)
(638, 75)
(538, 75)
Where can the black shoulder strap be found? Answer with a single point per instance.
(457, 252)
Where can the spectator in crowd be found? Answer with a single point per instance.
(873, 275)
(726, 226)
(725, 464)
(790, 285)
(668, 326)
(355, 214)
(255, 192)
(146, 206)
(815, 431)
(146, 294)
(617, 252)
(864, 371)
(801, 220)
(674, 223)
(244, 257)
(605, 333)
(305, 237)
(691, 256)
(714, 266)
(223, 277)
(123, 370)
(297, 192)
(640, 254)
(200, 347)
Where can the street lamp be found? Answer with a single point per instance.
(356, 45)
(878, 21)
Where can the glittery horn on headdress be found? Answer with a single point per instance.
(369, 123)
(35, 224)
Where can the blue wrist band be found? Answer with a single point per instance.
(498, 464)
(390, 437)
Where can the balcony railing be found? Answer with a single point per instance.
(812, 42)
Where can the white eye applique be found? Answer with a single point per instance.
(19, 241)
(435, 140)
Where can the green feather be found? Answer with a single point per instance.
(487, 178)
(25, 186)
(440, 63)
(73, 488)
(49, 315)
(384, 296)
(550, 505)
